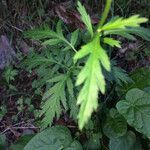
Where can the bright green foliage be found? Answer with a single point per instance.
(92, 62)
(64, 71)
(126, 142)
(91, 74)
(121, 23)
(112, 42)
(115, 125)
(136, 110)
(85, 18)
(127, 28)
(54, 138)
(92, 77)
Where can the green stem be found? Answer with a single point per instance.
(105, 13)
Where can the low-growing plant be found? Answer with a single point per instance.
(9, 75)
(75, 75)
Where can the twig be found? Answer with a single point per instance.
(25, 128)
(10, 128)
(16, 28)
(71, 126)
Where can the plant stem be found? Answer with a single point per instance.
(105, 13)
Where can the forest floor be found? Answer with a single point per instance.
(18, 101)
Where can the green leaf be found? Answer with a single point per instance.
(2, 141)
(121, 76)
(92, 77)
(120, 32)
(140, 78)
(112, 42)
(121, 23)
(70, 87)
(74, 37)
(126, 142)
(20, 144)
(39, 33)
(74, 109)
(115, 125)
(54, 97)
(52, 38)
(9, 74)
(93, 142)
(52, 42)
(54, 138)
(85, 18)
(75, 145)
(57, 78)
(144, 33)
(59, 29)
(136, 110)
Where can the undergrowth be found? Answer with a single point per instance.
(78, 76)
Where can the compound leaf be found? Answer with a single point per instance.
(85, 18)
(54, 97)
(122, 23)
(112, 42)
(92, 77)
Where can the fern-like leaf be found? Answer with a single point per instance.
(85, 18)
(112, 42)
(54, 97)
(129, 32)
(121, 23)
(39, 33)
(53, 38)
(92, 77)
(120, 75)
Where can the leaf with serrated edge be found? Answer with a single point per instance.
(133, 21)
(74, 37)
(112, 42)
(54, 97)
(93, 78)
(85, 18)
